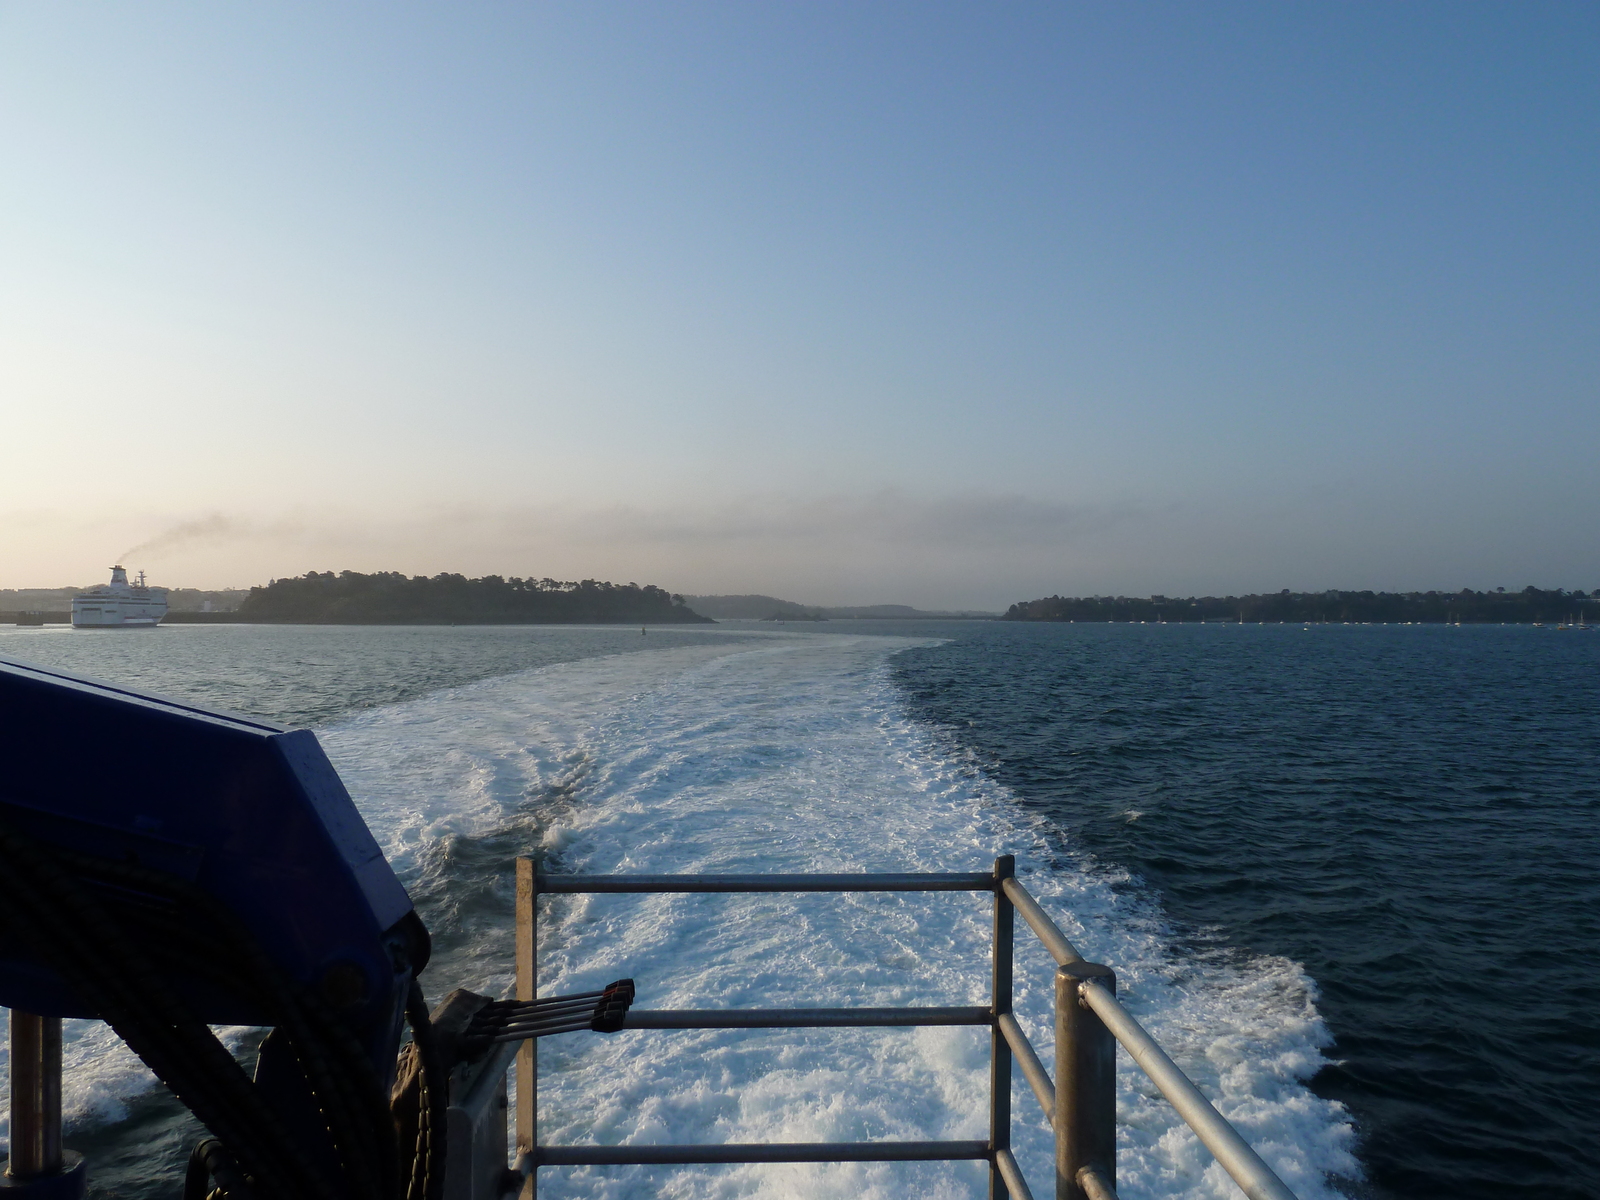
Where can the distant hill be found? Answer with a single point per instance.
(752, 608)
(392, 598)
(770, 608)
(1500, 606)
(905, 612)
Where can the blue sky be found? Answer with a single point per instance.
(949, 305)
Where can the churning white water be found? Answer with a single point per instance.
(792, 753)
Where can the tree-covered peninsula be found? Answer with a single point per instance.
(392, 598)
(1529, 605)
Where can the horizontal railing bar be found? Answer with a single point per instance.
(1094, 1185)
(1032, 1069)
(1039, 921)
(1235, 1154)
(801, 1018)
(1012, 1174)
(930, 882)
(775, 1152)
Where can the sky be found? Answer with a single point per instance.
(949, 305)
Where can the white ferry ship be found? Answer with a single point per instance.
(120, 604)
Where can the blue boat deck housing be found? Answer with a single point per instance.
(250, 813)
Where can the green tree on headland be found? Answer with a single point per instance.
(1466, 606)
(392, 598)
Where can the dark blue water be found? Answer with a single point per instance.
(1409, 812)
(1413, 813)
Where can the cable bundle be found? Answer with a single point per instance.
(517, 1020)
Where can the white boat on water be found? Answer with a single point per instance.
(120, 604)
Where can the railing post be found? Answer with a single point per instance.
(35, 1096)
(999, 1051)
(1086, 1084)
(527, 948)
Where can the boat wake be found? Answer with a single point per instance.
(793, 753)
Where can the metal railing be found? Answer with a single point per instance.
(1079, 1105)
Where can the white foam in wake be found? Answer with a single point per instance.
(794, 754)
(797, 755)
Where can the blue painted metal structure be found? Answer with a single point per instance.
(249, 812)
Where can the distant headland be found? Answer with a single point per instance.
(393, 598)
(1529, 606)
(770, 608)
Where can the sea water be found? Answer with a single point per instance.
(1410, 813)
(1160, 787)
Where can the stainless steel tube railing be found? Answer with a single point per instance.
(761, 1152)
(1238, 1159)
(1079, 1104)
(1094, 1185)
(1255, 1178)
(1039, 921)
(800, 1018)
(35, 1096)
(615, 884)
(531, 1155)
(1032, 1069)
(1011, 1175)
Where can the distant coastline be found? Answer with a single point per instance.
(1530, 606)
(392, 598)
(770, 608)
